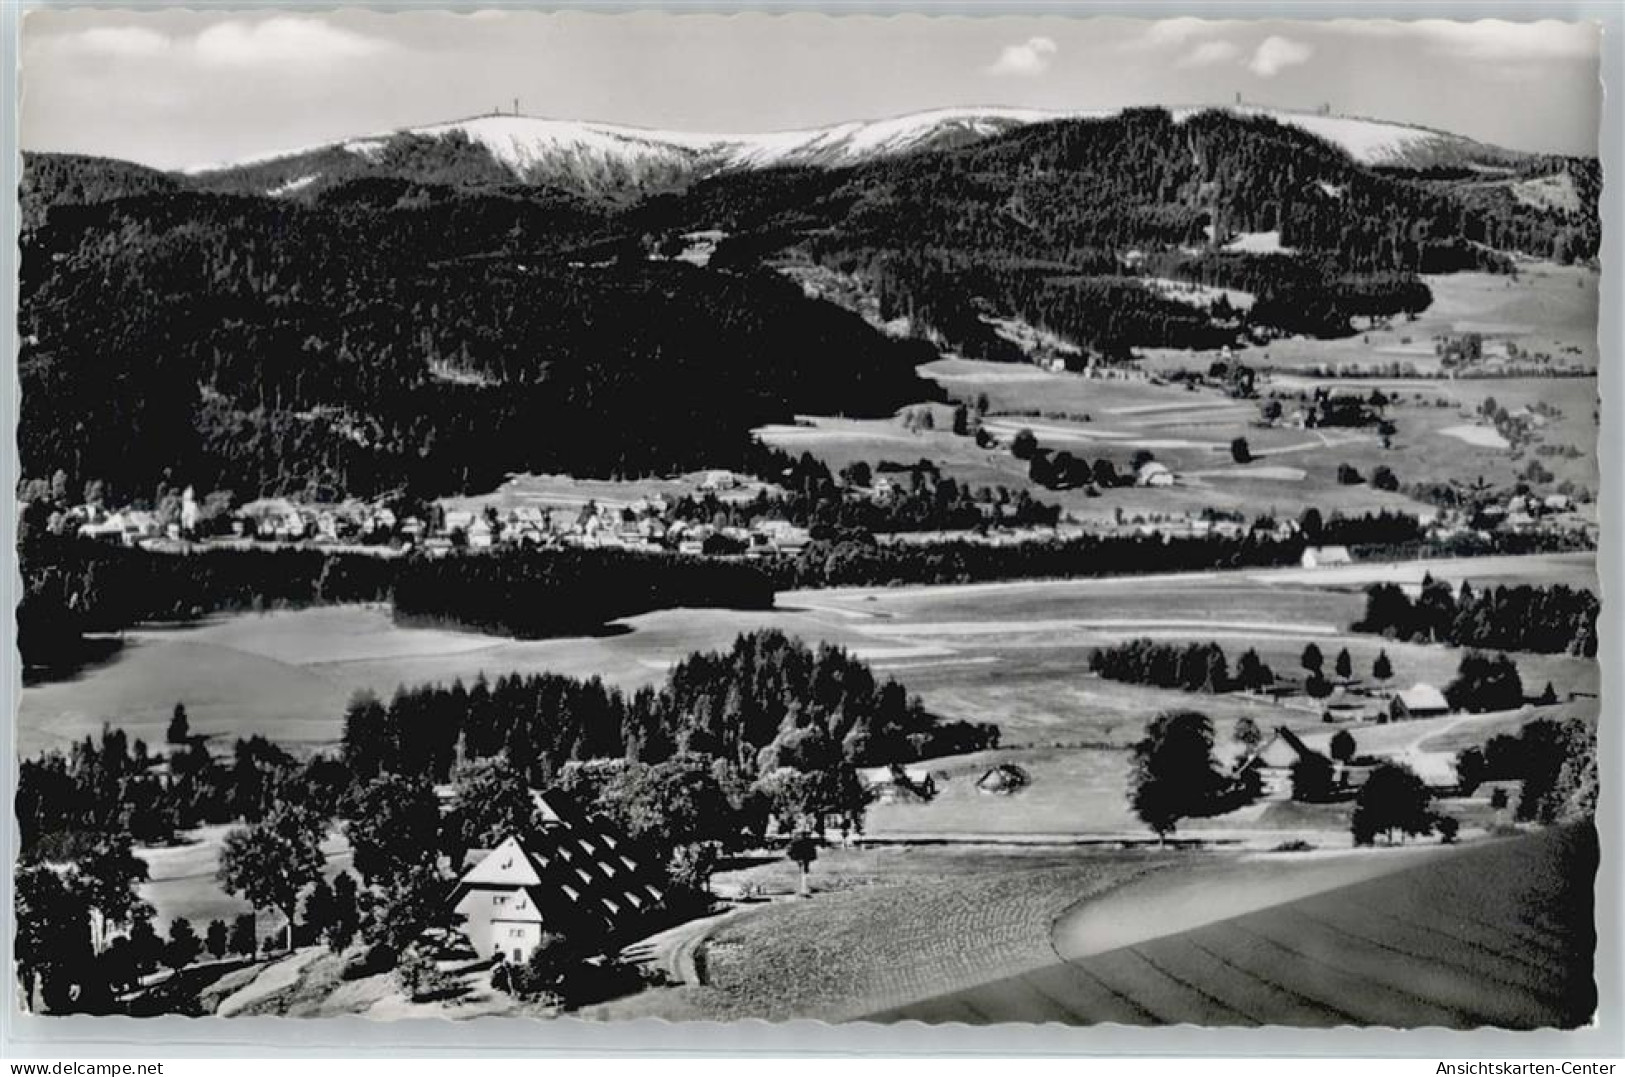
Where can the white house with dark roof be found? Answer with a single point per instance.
(574, 876)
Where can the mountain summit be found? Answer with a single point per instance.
(600, 158)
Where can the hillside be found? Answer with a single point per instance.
(1058, 223)
(440, 308)
(406, 336)
(603, 158)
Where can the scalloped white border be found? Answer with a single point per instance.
(24, 1035)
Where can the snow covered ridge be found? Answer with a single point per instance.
(529, 145)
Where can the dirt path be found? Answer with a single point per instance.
(675, 951)
(277, 976)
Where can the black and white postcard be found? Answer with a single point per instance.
(983, 520)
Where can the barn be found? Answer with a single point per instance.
(1418, 701)
(1324, 556)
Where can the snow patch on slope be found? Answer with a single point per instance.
(293, 185)
(526, 144)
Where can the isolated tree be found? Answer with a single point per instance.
(217, 939)
(1344, 664)
(1023, 445)
(1240, 451)
(803, 850)
(1383, 478)
(1312, 659)
(1343, 746)
(1270, 412)
(1251, 672)
(179, 730)
(1247, 733)
(183, 945)
(1548, 697)
(270, 863)
(1382, 669)
(1175, 775)
(1392, 799)
(1316, 686)
(961, 420)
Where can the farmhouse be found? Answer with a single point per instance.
(1322, 556)
(1273, 763)
(896, 784)
(573, 876)
(1348, 705)
(1418, 701)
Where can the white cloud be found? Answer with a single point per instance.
(280, 41)
(1165, 33)
(1276, 53)
(115, 41)
(1209, 53)
(1488, 40)
(1031, 57)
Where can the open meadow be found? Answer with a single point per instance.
(1546, 308)
(1440, 438)
(1015, 654)
(884, 927)
(1496, 933)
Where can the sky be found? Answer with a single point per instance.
(174, 88)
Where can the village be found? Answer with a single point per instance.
(648, 523)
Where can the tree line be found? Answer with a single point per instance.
(1545, 619)
(73, 588)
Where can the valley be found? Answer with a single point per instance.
(970, 566)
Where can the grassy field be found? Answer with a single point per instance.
(889, 926)
(1547, 308)
(1496, 934)
(1014, 654)
(1191, 431)
(181, 881)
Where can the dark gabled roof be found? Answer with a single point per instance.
(1267, 755)
(578, 870)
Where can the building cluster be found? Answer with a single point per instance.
(1271, 767)
(644, 524)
